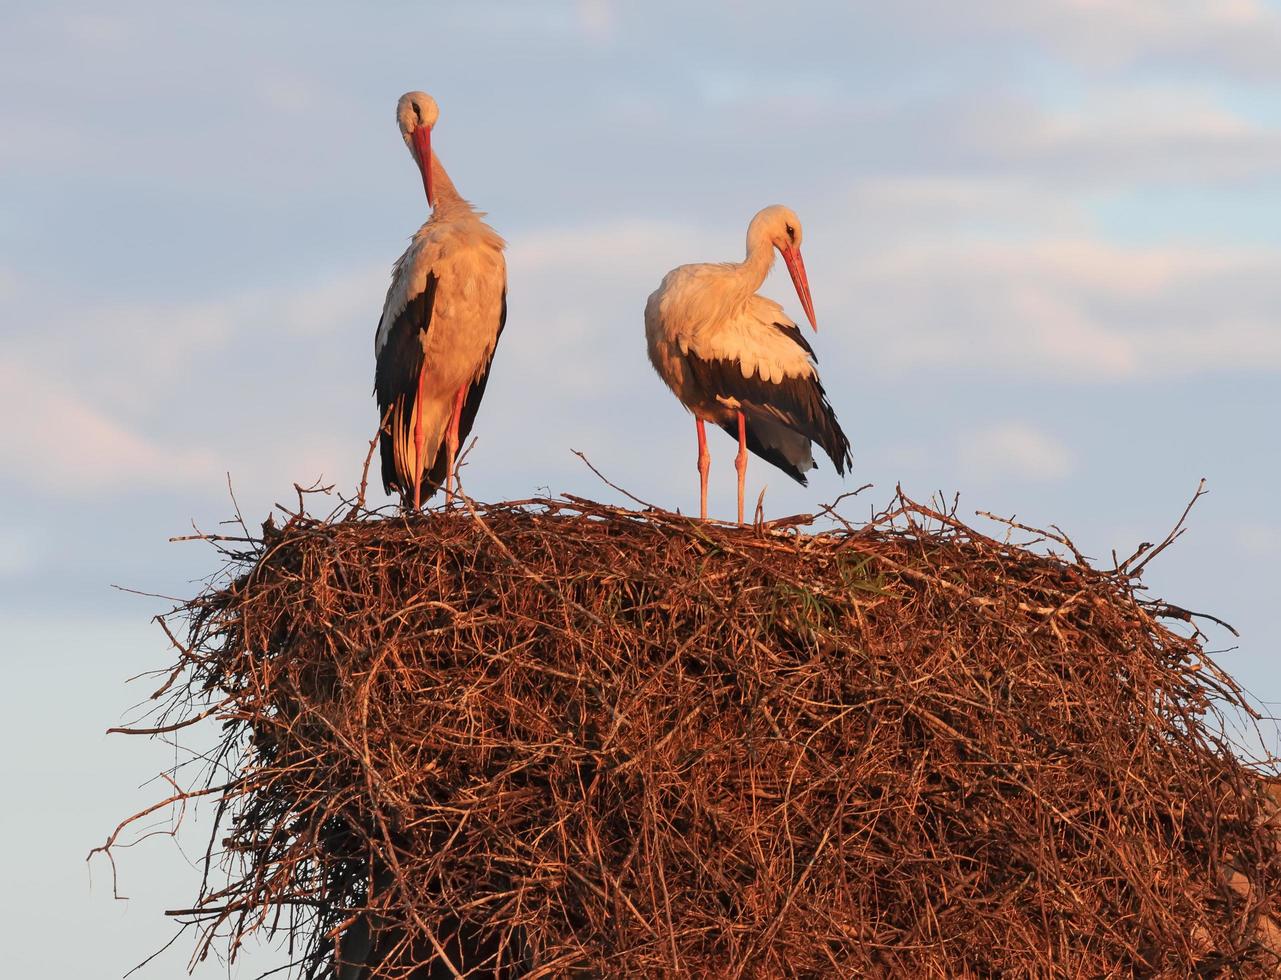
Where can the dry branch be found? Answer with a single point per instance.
(558, 738)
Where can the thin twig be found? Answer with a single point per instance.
(613, 486)
(1170, 538)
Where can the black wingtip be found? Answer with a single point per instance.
(770, 454)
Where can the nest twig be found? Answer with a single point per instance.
(553, 737)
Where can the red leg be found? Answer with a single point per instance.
(704, 464)
(420, 436)
(740, 462)
(451, 442)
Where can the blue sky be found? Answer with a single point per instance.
(1042, 242)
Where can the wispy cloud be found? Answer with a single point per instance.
(1077, 309)
(1239, 37)
(133, 354)
(578, 294)
(892, 207)
(19, 550)
(1126, 134)
(95, 30)
(1258, 540)
(175, 393)
(598, 20)
(54, 440)
(1013, 450)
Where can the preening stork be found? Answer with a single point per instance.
(441, 321)
(735, 359)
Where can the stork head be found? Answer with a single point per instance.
(416, 114)
(778, 227)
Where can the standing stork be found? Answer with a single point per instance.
(735, 359)
(444, 313)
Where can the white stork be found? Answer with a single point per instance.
(735, 359)
(442, 318)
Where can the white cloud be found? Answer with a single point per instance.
(263, 473)
(1111, 135)
(56, 441)
(598, 20)
(320, 309)
(19, 550)
(1129, 134)
(1237, 36)
(1228, 345)
(130, 376)
(608, 248)
(1258, 540)
(94, 30)
(575, 289)
(1066, 309)
(127, 355)
(1013, 450)
(887, 205)
(293, 93)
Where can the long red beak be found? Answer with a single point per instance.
(795, 265)
(422, 143)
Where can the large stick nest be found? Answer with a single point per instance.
(556, 738)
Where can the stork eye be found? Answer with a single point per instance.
(791, 233)
(417, 112)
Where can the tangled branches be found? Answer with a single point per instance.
(556, 738)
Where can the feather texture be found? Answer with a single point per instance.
(722, 348)
(444, 311)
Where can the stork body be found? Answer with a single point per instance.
(444, 313)
(735, 359)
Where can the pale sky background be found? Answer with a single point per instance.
(1043, 240)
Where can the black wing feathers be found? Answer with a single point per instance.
(396, 377)
(799, 403)
(798, 338)
(771, 454)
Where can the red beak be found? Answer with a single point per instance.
(422, 143)
(792, 256)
